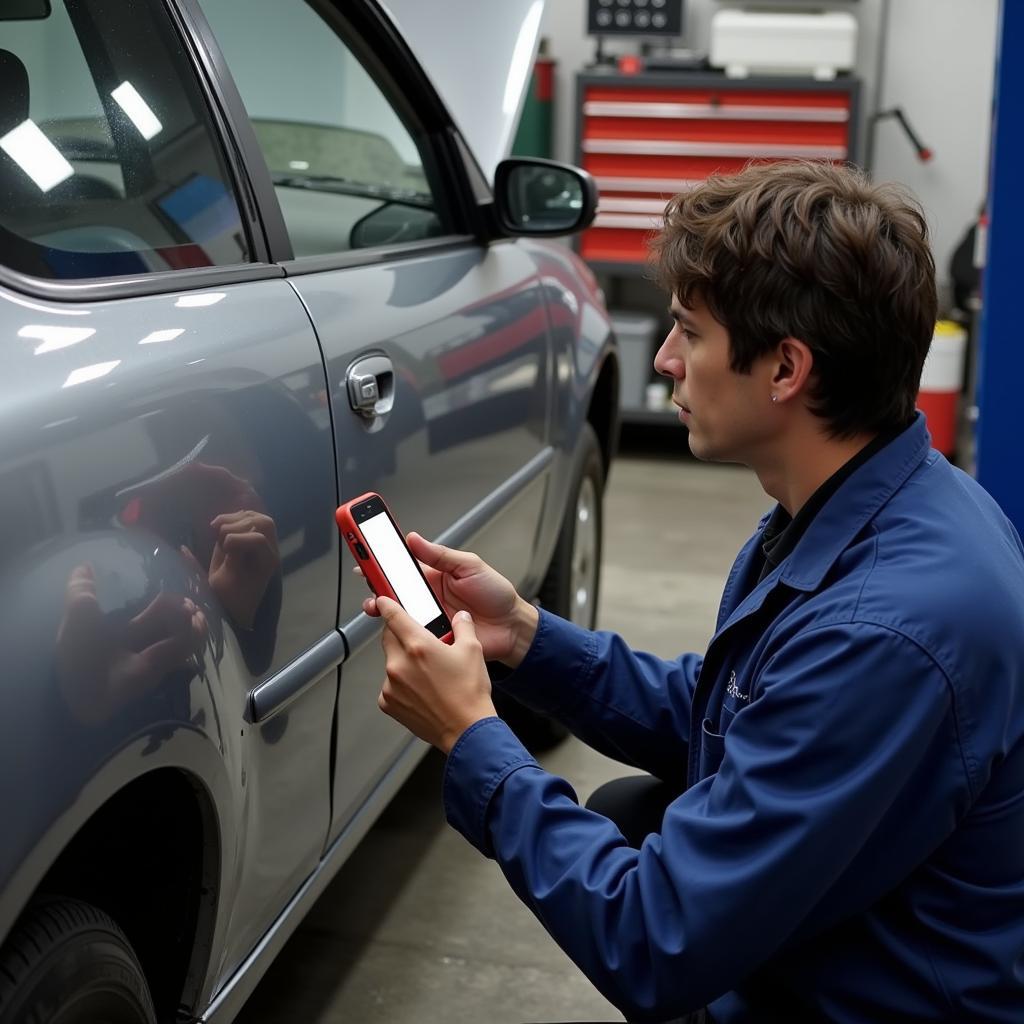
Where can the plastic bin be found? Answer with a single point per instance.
(941, 381)
(636, 334)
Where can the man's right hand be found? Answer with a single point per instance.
(505, 623)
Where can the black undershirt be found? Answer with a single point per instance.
(782, 532)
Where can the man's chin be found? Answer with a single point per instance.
(697, 449)
(705, 452)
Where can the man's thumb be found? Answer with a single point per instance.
(462, 626)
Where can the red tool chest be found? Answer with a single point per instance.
(646, 137)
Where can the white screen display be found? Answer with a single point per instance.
(402, 573)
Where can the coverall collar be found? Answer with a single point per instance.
(854, 504)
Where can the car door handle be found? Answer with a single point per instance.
(370, 382)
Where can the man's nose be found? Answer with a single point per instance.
(668, 364)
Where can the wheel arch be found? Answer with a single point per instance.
(603, 410)
(150, 850)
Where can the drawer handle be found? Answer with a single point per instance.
(617, 205)
(713, 112)
(658, 186)
(658, 147)
(635, 221)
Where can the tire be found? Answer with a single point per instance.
(570, 587)
(66, 962)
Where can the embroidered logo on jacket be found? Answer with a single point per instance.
(733, 690)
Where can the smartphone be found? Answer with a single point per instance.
(377, 544)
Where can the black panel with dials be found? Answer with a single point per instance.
(635, 17)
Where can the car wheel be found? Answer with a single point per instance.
(570, 588)
(66, 962)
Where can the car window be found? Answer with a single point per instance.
(108, 163)
(348, 170)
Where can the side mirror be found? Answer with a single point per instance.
(543, 197)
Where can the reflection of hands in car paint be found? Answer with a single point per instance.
(102, 666)
(182, 505)
(230, 542)
(244, 560)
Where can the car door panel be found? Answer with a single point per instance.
(466, 334)
(135, 424)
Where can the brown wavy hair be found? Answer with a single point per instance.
(817, 252)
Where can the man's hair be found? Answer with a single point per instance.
(817, 252)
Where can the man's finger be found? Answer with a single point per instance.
(463, 627)
(398, 620)
(166, 614)
(437, 556)
(227, 518)
(246, 542)
(81, 586)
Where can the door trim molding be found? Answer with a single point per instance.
(296, 677)
(331, 650)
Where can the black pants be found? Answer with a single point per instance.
(637, 804)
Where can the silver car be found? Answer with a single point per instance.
(249, 268)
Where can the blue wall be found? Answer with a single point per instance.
(1000, 467)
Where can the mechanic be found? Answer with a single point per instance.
(833, 824)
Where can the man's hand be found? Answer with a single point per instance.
(244, 560)
(101, 668)
(435, 690)
(505, 624)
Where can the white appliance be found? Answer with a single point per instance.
(778, 42)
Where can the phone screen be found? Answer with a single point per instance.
(402, 572)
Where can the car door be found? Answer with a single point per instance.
(163, 388)
(436, 347)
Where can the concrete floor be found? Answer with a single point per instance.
(417, 927)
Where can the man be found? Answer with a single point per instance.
(834, 829)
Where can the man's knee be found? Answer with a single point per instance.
(636, 804)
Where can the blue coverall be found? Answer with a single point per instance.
(850, 842)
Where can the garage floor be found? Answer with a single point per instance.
(418, 928)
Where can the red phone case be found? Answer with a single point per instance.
(353, 537)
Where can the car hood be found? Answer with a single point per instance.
(479, 56)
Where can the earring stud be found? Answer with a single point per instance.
(775, 398)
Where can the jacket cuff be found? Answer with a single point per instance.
(482, 758)
(556, 667)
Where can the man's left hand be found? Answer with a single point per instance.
(435, 690)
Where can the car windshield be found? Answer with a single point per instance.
(347, 187)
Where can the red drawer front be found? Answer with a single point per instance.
(615, 245)
(645, 144)
(625, 165)
(753, 133)
(724, 97)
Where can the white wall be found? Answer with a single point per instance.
(939, 67)
(938, 63)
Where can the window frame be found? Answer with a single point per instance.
(222, 138)
(372, 40)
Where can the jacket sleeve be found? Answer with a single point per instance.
(834, 784)
(633, 707)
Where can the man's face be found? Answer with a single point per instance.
(726, 412)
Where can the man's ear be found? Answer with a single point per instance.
(794, 363)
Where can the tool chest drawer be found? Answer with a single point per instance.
(646, 137)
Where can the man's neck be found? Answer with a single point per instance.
(800, 465)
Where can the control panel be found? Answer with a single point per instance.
(635, 17)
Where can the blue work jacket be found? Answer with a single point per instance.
(849, 846)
